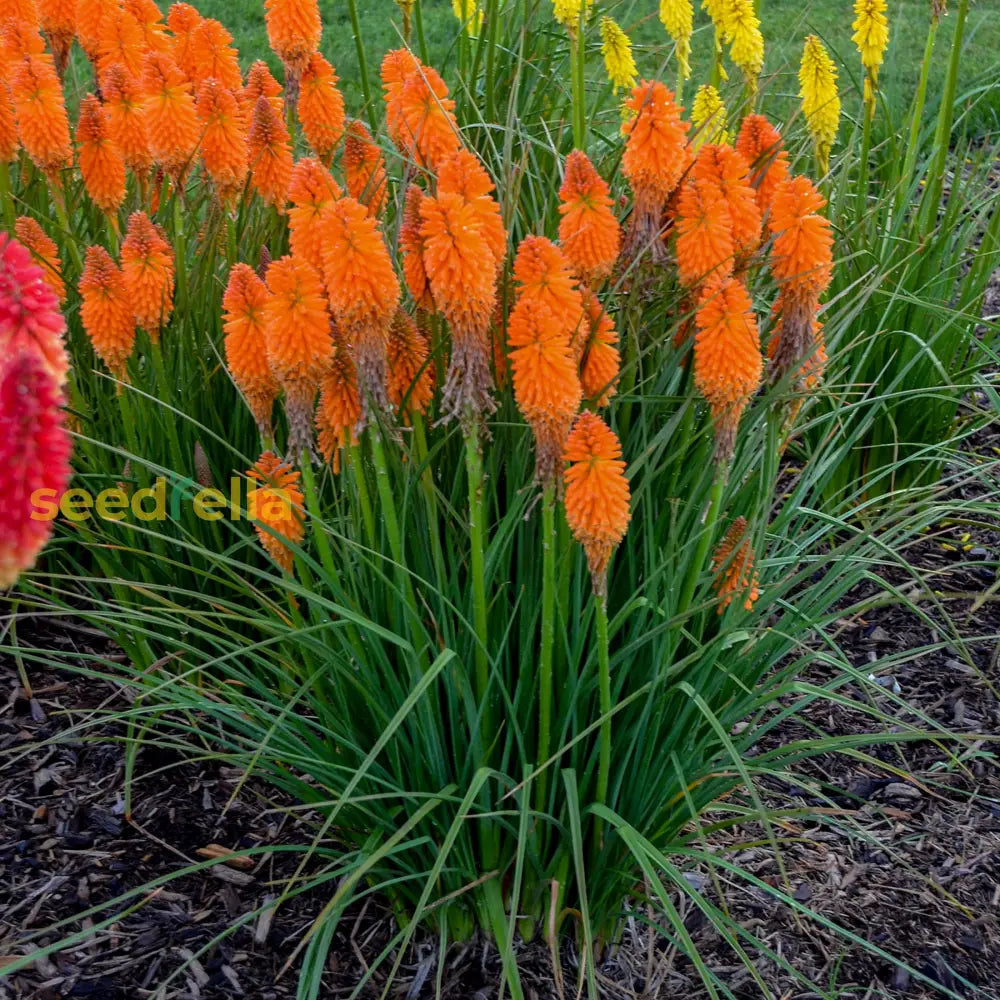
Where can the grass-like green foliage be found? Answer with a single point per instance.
(358, 685)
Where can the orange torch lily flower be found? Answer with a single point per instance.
(260, 83)
(364, 168)
(299, 345)
(125, 104)
(589, 232)
(148, 270)
(182, 19)
(597, 494)
(106, 311)
(312, 191)
(90, 16)
(546, 381)
(171, 119)
(321, 107)
(101, 163)
(9, 140)
(730, 172)
(270, 155)
(41, 114)
(213, 55)
(759, 143)
(411, 244)
(276, 508)
(246, 343)
(655, 159)
(294, 29)
(57, 19)
(428, 130)
(120, 41)
(339, 412)
(363, 292)
(150, 21)
(704, 226)
(224, 147)
(600, 361)
(727, 358)
(411, 374)
(463, 174)
(733, 563)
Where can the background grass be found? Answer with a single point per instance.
(785, 23)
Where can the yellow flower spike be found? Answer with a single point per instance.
(708, 112)
(742, 34)
(677, 17)
(871, 36)
(820, 100)
(567, 12)
(617, 51)
(469, 13)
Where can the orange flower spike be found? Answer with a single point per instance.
(20, 39)
(150, 21)
(224, 147)
(728, 169)
(544, 279)
(121, 41)
(463, 174)
(125, 104)
(41, 115)
(411, 244)
(461, 270)
(600, 362)
(733, 563)
(9, 140)
(588, 231)
(90, 16)
(321, 107)
(276, 506)
(339, 412)
(182, 20)
(597, 494)
(759, 143)
(411, 373)
(260, 83)
(44, 251)
(656, 157)
(397, 65)
(57, 19)
(106, 312)
(802, 256)
(727, 358)
(299, 345)
(171, 119)
(148, 270)
(246, 343)
(546, 383)
(294, 29)
(364, 168)
(428, 127)
(363, 290)
(213, 55)
(312, 191)
(101, 163)
(704, 233)
(21, 10)
(270, 154)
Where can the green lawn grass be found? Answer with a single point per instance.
(784, 22)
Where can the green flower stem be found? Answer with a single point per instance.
(316, 520)
(578, 62)
(366, 90)
(166, 394)
(180, 253)
(942, 135)
(361, 485)
(547, 639)
(916, 118)
(427, 485)
(492, 27)
(477, 545)
(704, 542)
(59, 203)
(418, 18)
(604, 666)
(866, 145)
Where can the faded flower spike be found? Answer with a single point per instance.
(733, 562)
